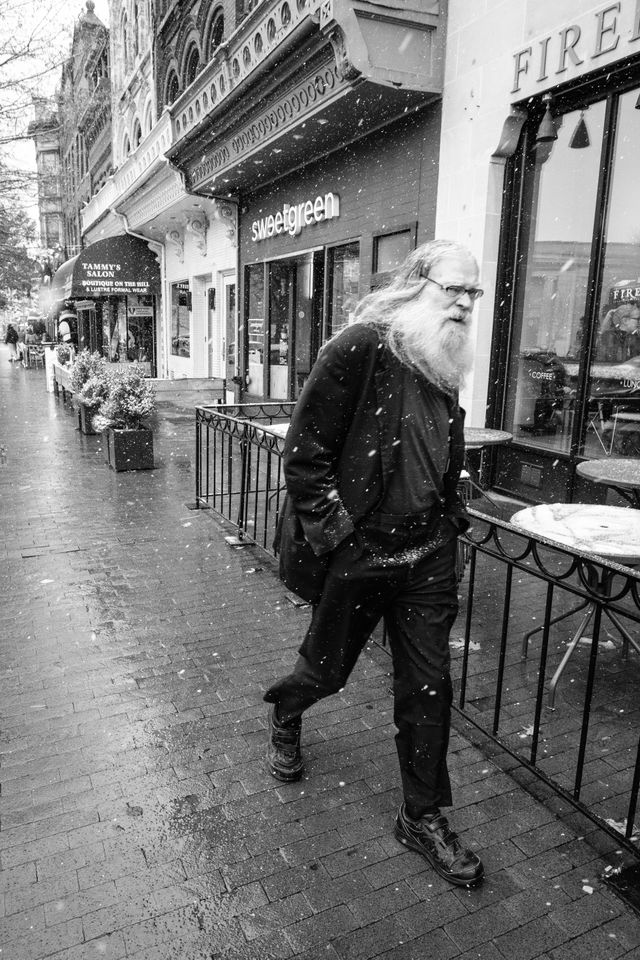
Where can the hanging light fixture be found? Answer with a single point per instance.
(580, 136)
(547, 130)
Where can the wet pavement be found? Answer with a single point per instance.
(137, 818)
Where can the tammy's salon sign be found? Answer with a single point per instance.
(605, 34)
(100, 279)
(115, 267)
(294, 217)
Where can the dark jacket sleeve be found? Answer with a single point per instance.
(317, 434)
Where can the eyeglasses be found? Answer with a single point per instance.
(454, 291)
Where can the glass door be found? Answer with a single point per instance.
(295, 289)
(282, 302)
(229, 328)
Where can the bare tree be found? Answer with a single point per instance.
(33, 44)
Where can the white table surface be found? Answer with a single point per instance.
(611, 471)
(474, 436)
(609, 532)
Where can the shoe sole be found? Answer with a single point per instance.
(458, 881)
(284, 777)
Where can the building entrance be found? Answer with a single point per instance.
(283, 302)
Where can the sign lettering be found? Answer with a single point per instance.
(598, 38)
(293, 217)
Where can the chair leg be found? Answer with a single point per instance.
(624, 633)
(574, 643)
(562, 616)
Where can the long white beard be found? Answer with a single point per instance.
(442, 353)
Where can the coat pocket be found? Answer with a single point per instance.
(301, 570)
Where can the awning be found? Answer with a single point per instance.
(108, 268)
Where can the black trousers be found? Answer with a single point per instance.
(407, 578)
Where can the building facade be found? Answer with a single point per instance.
(74, 159)
(321, 123)
(193, 238)
(540, 141)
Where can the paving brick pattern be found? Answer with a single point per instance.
(137, 818)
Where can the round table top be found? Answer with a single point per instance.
(279, 429)
(623, 473)
(611, 532)
(484, 437)
(473, 436)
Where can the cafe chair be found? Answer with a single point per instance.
(36, 356)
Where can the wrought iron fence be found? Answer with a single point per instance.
(523, 602)
(239, 465)
(587, 747)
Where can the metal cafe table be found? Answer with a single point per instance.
(475, 438)
(621, 475)
(612, 533)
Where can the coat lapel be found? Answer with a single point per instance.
(389, 386)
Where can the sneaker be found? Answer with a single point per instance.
(435, 840)
(283, 749)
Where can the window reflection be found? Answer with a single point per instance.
(549, 329)
(254, 279)
(343, 280)
(614, 395)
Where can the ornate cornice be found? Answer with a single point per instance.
(308, 96)
(155, 201)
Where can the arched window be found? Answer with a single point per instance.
(126, 148)
(216, 33)
(172, 88)
(136, 136)
(192, 66)
(148, 119)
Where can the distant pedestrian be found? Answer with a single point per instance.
(371, 461)
(12, 337)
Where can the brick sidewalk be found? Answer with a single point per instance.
(137, 819)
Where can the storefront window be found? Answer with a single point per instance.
(180, 320)
(614, 392)
(389, 251)
(343, 280)
(140, 329)
(549, 327)
(254, 285)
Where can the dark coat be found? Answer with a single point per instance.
(339, 453)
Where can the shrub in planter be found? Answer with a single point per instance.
(124, 417)
(88, 368)
(90, 398)
(84, 366)
(63, 354)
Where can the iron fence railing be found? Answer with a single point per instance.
(519, 586)
(239, 465)
(522, 598)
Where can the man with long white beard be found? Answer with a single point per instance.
(368, 529)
